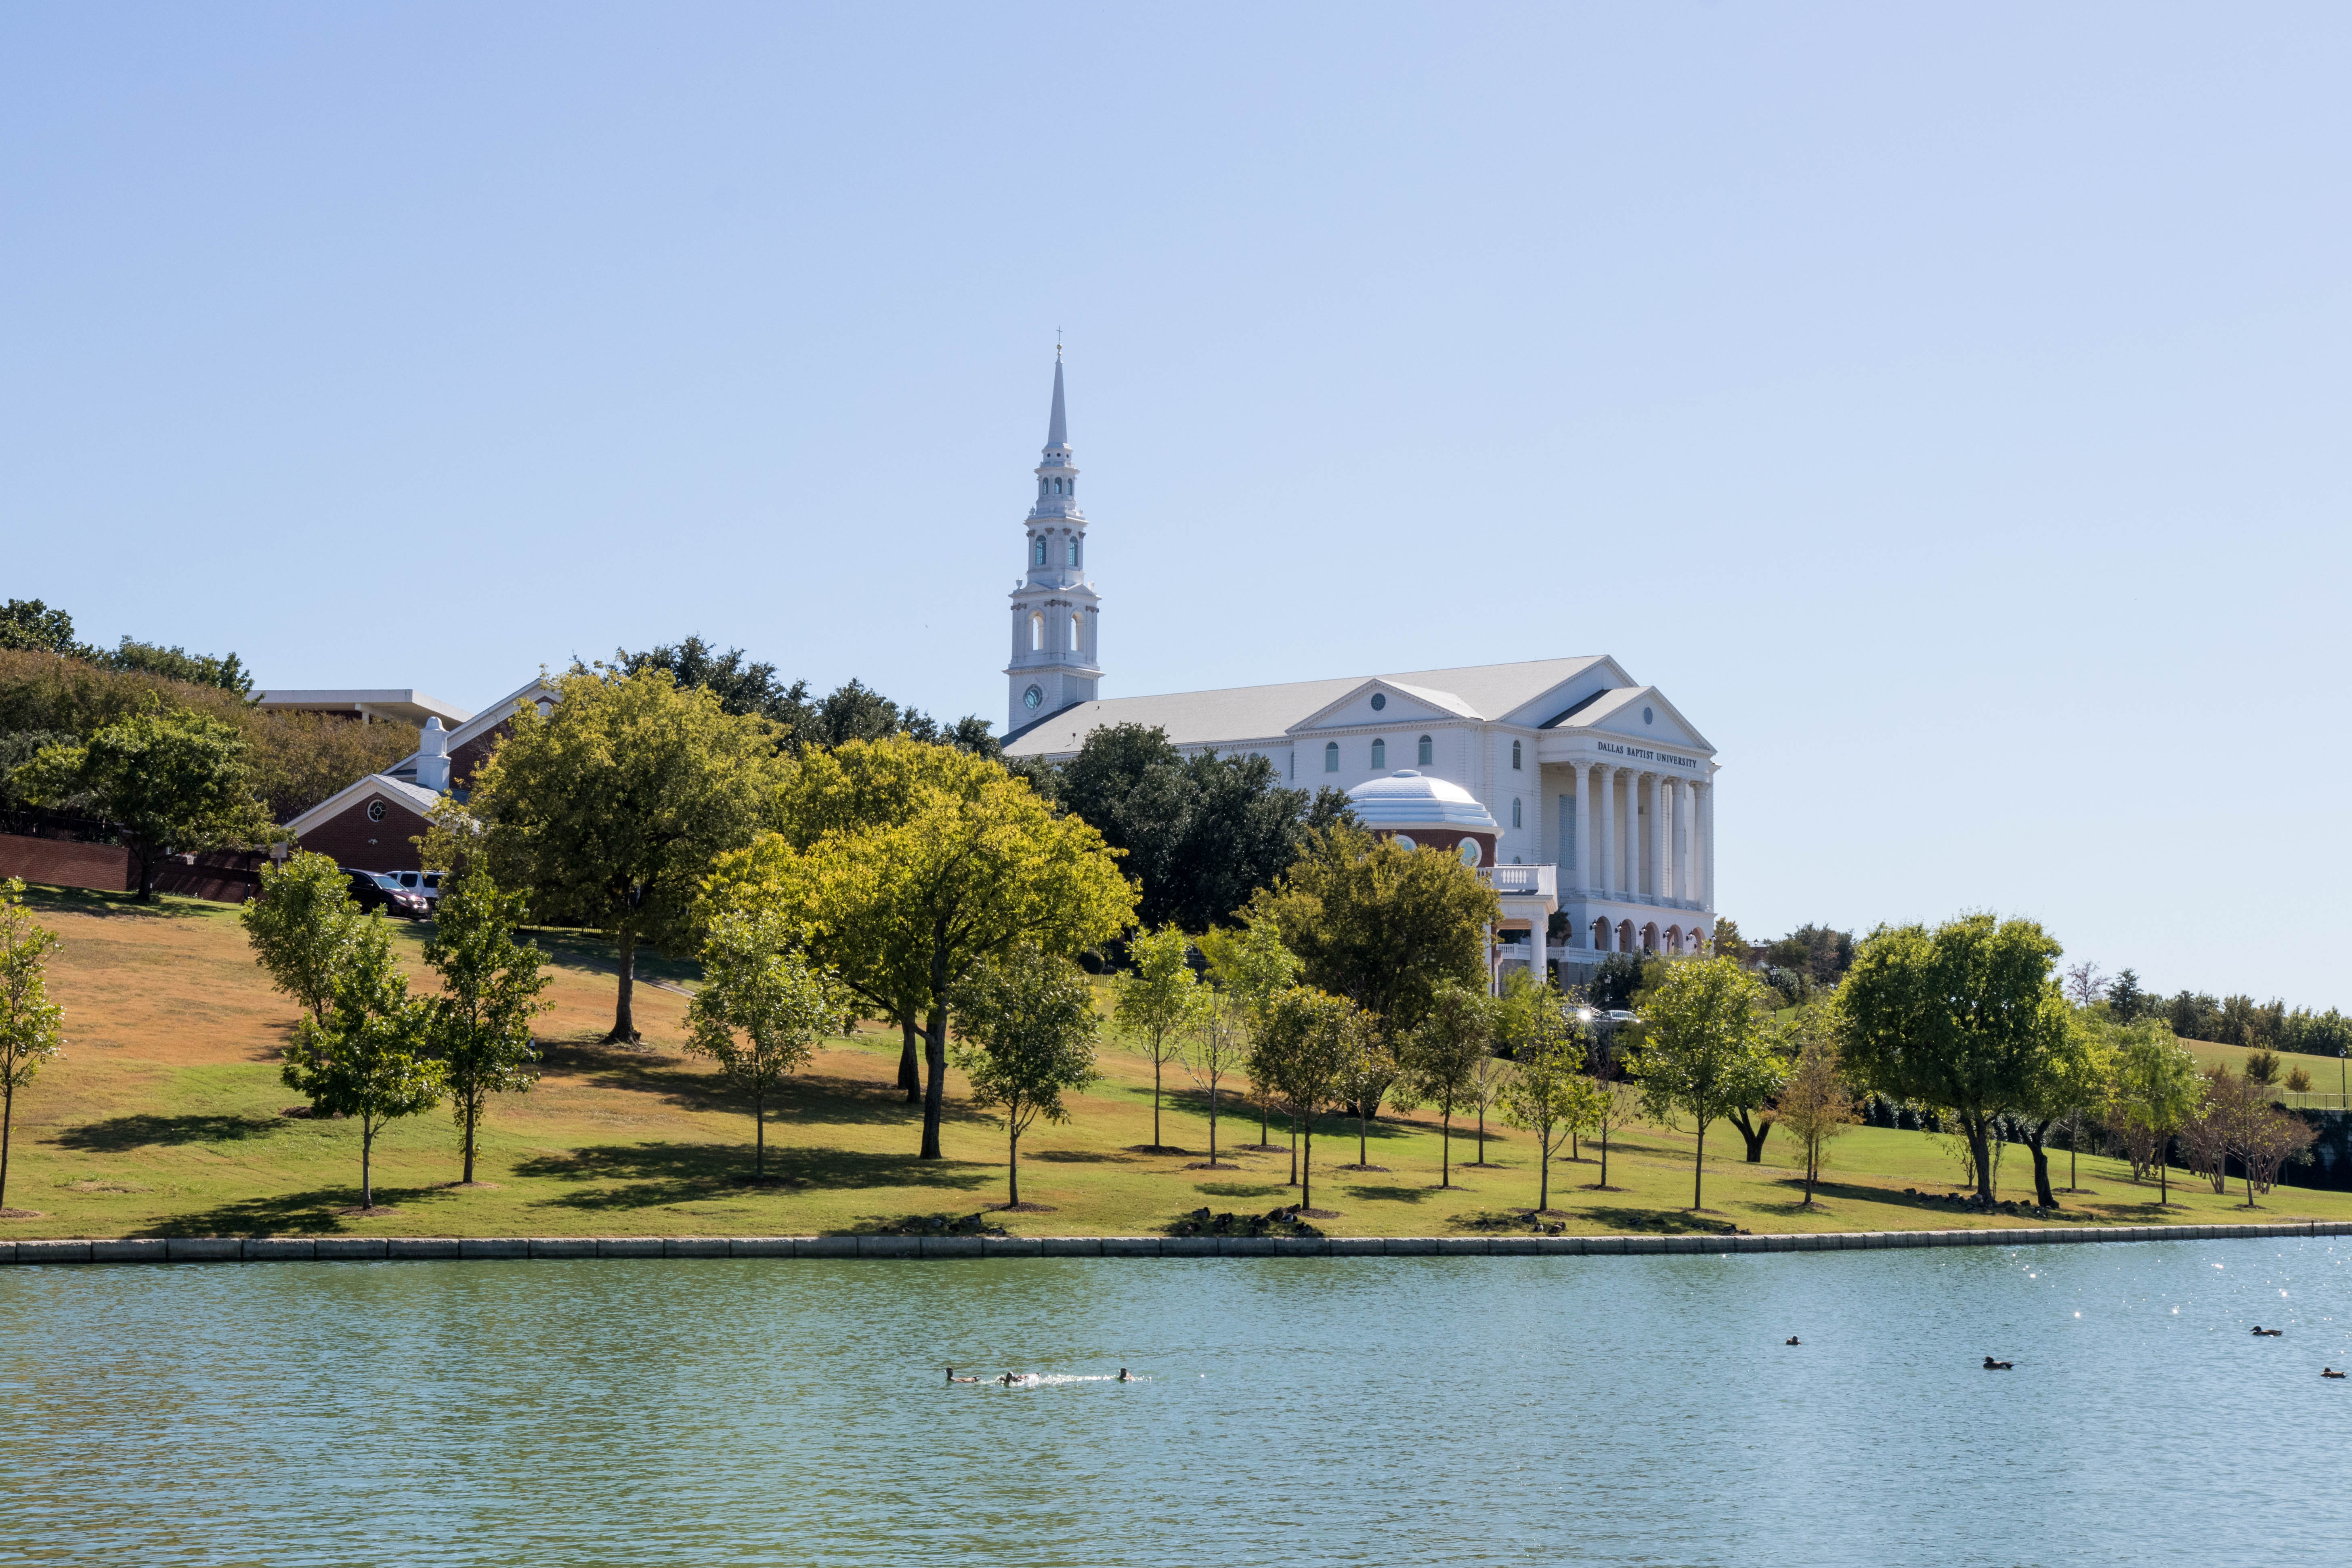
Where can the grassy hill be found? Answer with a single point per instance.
(166, 1117)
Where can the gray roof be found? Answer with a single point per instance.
(1241, 714)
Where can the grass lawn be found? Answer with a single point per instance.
(164, 1116)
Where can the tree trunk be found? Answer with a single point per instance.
(1754, 1132)
(625, 1023)
(1155, 1097)
(1445, 1148)
(911, 1077)
(7, 1116)
(1013, 1170)
(1361, 1158)
(1213, 1124)
(148, 860)
(2033, 1141)
(1482, 1137)
(1698, 1167)
(1604, 1159)
(1265, 1122)
(473, 1111)
(1543, 1173)
(367, 1149)
(1307, 1168)
(1981, 1145)
(935, 1089)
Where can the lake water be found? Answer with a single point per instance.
(1623, 1410)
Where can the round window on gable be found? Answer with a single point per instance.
(375, 810)
(1648, 717)
(1379, 701)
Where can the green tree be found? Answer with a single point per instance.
(1374, 1069)
(610, 810)
(1027, 1025)
(226, 672)
(742, 685)
(1380, 924)
(1444, 1057)
(1306, 1051)
(1217, 1047)
(951, 862)
(759, 1013)
(1156, 1001)
(1966, 1017)
(2072, 1075)
(1201, 834)
(1706, 1049)
(2158, 1086)
(30, 1024)
(1613, 1108)
(1816, 1102)
(1549, 1094)
(478, 1028)
(1253, 966)
(365, 1058)
(33, 627)
(170, 782)
(301, 928)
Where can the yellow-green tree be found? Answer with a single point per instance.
(1156, 1001)
(759, 1013)
(2157, 1088)
(2073, 1075)
(1027, 1025)
(366, 1057)
(609, 810)
(478, 1028)
(974, 863)
(1251, 964)
(301, 928)
(1816, 1102)
(1549, 1094)
(1306, 1051)
(1706, 1049)
(30, 1024)
(1442, 1058)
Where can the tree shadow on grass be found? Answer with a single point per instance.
(649, 1175)
(1241, 1189)
(1668, 1222)
(107, 905)
(118, 1134)
(1392, 1193)
(807, 1096)
(1078, 1157)
(313, 1213)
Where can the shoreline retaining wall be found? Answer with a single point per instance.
(355, 1249)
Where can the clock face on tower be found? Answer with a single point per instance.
(1031, 697)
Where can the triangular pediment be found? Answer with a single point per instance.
(1641, 715)
(1378, 701)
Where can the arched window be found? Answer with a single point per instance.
(1424, 752)
(1037, 554)
(1515, 754)
(1380, 755)
(1515, 812)
(1330, 756)
(1073, 552)
(1036, 634)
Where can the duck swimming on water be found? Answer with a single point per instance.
(2330, 1372)
(2268, 1334)
(1793, 1339)
(953, 1378)
(1992, 1365)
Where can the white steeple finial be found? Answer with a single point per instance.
(1055, 606)
(1058, 429)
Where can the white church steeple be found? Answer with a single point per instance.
(1054, 608)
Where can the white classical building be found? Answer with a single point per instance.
(1598, 794)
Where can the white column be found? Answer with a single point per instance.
(1588, 832)
(1706, 837)
(1659, 881)
(1604, 817)
(1535, 811)
(1686, 840)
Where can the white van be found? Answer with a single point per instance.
(427, 883)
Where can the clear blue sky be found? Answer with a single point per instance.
(1946, 405)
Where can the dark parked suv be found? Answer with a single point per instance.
(376, 891)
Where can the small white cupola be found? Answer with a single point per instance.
(433, 757)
